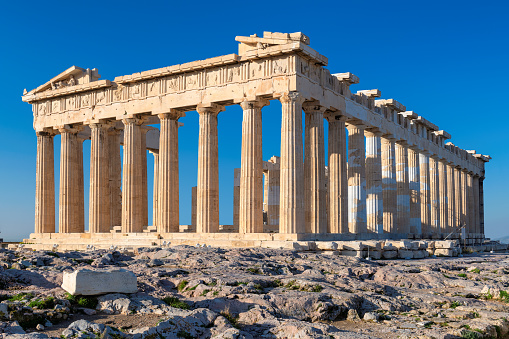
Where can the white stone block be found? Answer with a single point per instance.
(95, 282)
(405, 254)
(326, 245)
(390, 254)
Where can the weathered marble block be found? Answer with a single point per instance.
(95, 282)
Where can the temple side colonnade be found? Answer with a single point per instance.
(397, 178)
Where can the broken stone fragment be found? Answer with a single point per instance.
(99, 281)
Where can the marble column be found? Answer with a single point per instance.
(81, 186)
(389, 184)
(402, 184)
(156, 191)
(425, 194)
(338, 177)
(464, 201)
(470, 203)
(481, 205)
(451, 196)
(291, 208)
(68, 219)
(132, 182)
(477, 220)
(251, 170)
(414, 184)
(374, 196)
(356, 180)
(99, 200)
(443, 200)
(207, 214)
(45, 184)
(458, 202)
(115, 177)
(168, 201)
(434, 193)
(273, 196)
(144, 179)
(314, 170)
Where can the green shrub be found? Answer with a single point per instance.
(182, 285)
(82, 301)
(462, 275)
(43, 304)
(476, 270)
(21, 296)
(175, 302)
(504, 296)
(470, 335)
(455, 304)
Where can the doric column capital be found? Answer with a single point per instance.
(289, 97)
(47, 132)
(313, 107)
(70, 128)
(173, 114)
(210, 108)
(402, 142)
(256, 103)
(105, 124)
(132, 120)
(334, 116)
(372, 132)
(389, 137)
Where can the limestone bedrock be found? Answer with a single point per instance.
(100, 281)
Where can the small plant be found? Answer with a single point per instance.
(231, 318)
(43, 303)
(316, 288)
(182, 285)
(504, 296)
(488, 296)
(21, 296)
(204, 293)
(470, 335)
(81, 301)
(175, 302)
(476, 315)
(241, 283)
(462, 275)
(476, 270)
(215, 293)
(455, 304)
(254, 270)
(192, 288)
(429, 324)
(444, 324)
(213, 283)
(276, 283)
(258, 287)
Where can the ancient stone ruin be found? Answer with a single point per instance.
(401, 181)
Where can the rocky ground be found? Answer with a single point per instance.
(197, 292)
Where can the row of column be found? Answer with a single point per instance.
(388, 187)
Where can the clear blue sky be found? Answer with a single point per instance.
(445, 60)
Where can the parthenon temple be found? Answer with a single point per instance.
(389, 173)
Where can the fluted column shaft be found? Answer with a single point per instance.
(99, 205)
(68, 220)
(389, 184)
(115, 178)
(207, 217)
(374, 195)
(414, 184)
(156, 191)
(45, 184)
(144, 179)
(425, 194)
(434, 193)
(251, 170)
(477, 220)
(481, 205)
(403, 200)
(338, 176)
(443, 202)
(314, 170)
(470, 203)
(356, 180)
(168, 199)
(194, 204)
(458, 196)
(291, 208)
(132, 181)
(464, 200)
(81, 186)
(451, 197)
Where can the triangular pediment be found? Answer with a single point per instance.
(70, 77)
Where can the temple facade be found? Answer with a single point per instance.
(389, 173)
